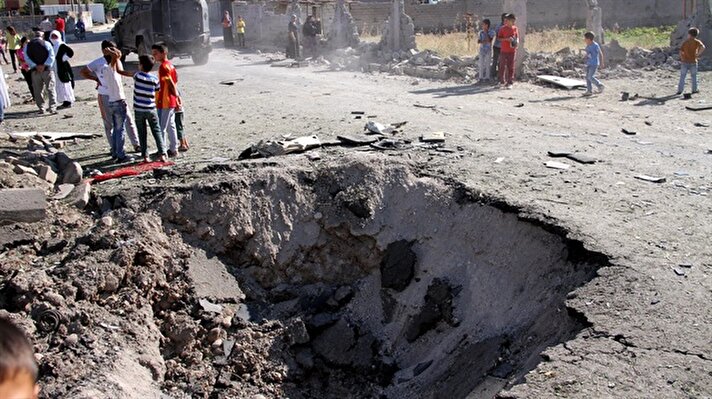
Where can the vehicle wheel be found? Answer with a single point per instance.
(200, 58)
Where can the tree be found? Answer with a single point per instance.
(28, 11)
(108, 5)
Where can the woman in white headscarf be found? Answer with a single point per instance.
(4, 97)
(65, 76)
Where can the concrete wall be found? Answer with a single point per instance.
(542, 13)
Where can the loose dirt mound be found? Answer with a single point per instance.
(360, 280)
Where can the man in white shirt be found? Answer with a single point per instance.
(95, 71)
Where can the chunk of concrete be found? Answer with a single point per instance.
(72, 173)
(20, 170)
(211, 279)
(79, 196)
(63, 190)
(47, 173)
(22, 205)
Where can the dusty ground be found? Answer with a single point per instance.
(649, 337)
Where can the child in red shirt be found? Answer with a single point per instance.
(509, 37)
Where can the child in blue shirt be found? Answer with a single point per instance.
(485, 40)
(594, 59)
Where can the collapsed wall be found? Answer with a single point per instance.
(343, 31)
(398, 33)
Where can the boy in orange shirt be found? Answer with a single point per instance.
(18, 370)
(689, 54)
(508, 36)
(167, 100)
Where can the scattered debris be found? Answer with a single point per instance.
(566, 83)
(356, 141)
(434, 137)
(270, 148)
(499, 160)
(557, 165)
(427, 106)
(231, 81)
(377, 128)
(696, 109)
(628, 132)
(52, 135)
(581, 158)
(651, 179)
(702, 124)
(559, 153)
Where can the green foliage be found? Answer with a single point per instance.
(108, 5)
(26, 10)
(642, 37)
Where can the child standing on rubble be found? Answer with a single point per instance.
(487, 35)
(594, 58)
(18, 370)
(689, 54)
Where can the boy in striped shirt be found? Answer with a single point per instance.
(145, 88)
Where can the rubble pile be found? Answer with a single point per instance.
(43, 166)
(620, 62)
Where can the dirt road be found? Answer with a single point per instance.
(650, 334)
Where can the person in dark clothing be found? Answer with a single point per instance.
(24, 68)
(39, 55)
(310, 30)
(293, 38)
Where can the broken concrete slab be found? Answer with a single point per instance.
(211, 278)
(356, 140)
(79, 196)
(566, 83)
(557, 165)
(434, 137)
(22, 205)
(19, 169)
(63, 190)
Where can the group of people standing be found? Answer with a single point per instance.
(498, 47)
(228, 37)
(156, 100)
(311, 29)
(44, 64)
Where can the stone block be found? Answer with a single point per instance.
(22, 205)
(72, 173)
(79, 196)
(46, 173)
